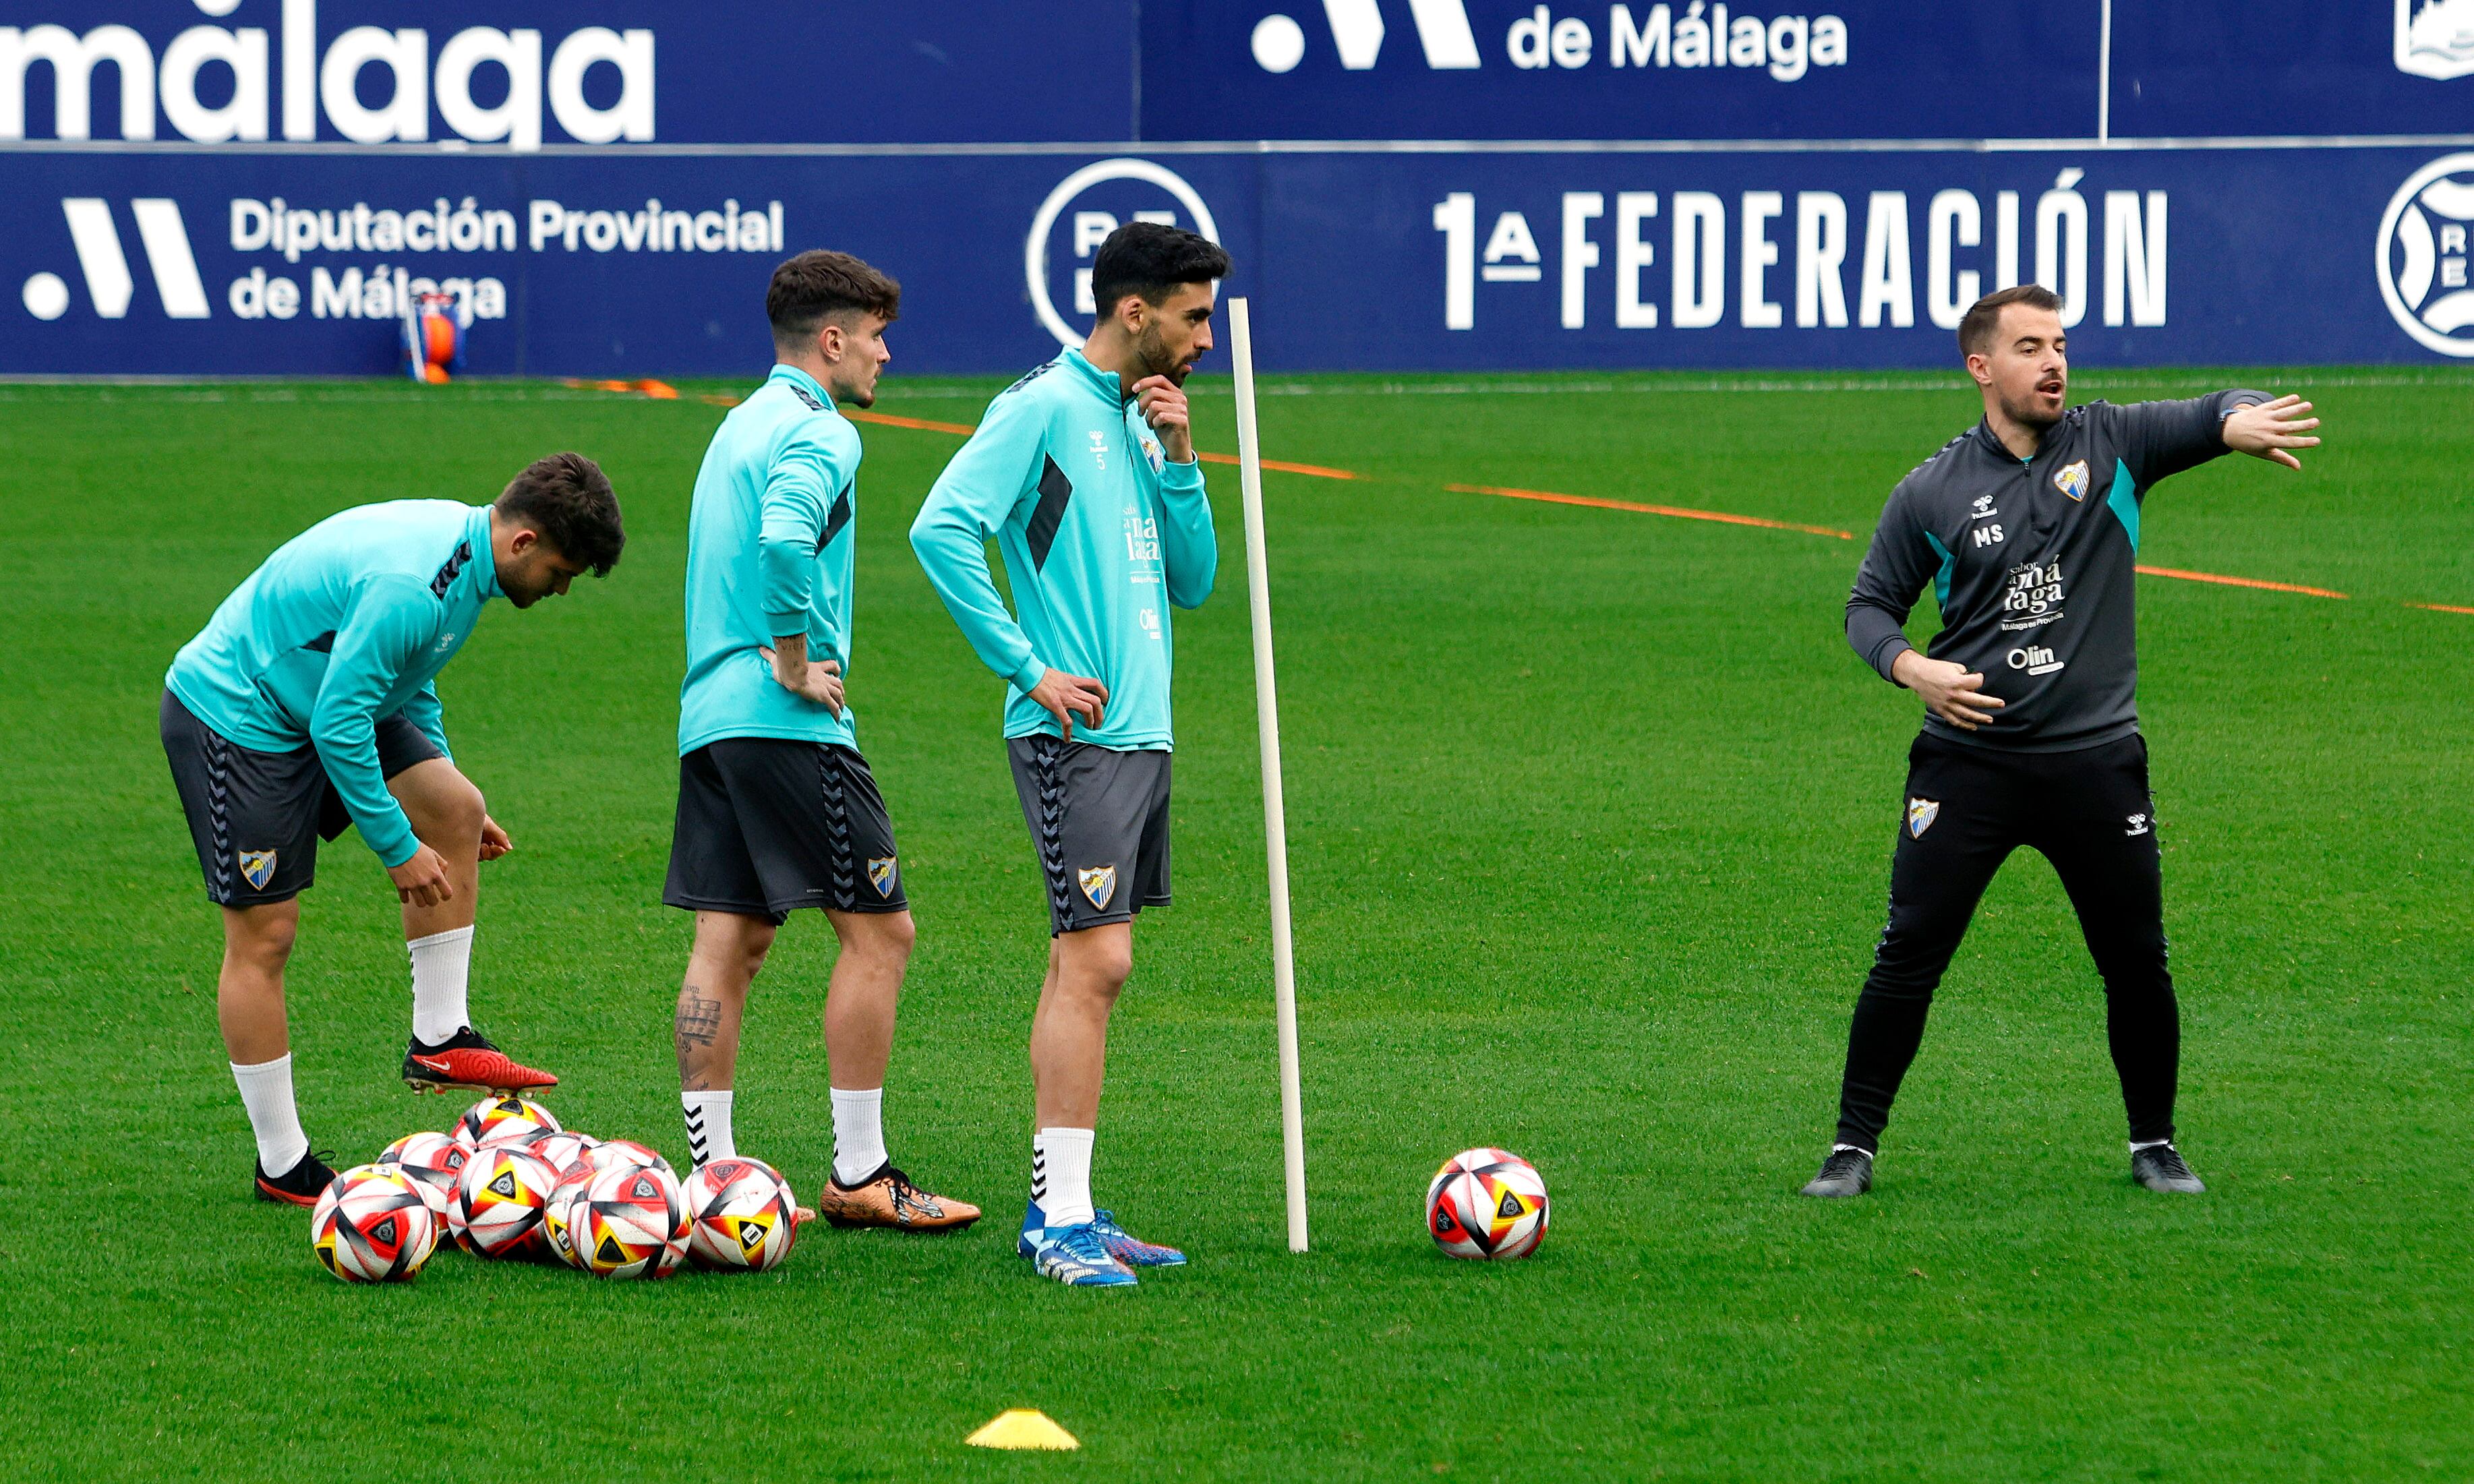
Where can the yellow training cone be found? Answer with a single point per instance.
(1021, 1427)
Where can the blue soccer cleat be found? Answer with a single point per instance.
(1132, 1251)
(1074, 1256)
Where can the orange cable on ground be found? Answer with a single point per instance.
(1680, 512)
(2238, 582)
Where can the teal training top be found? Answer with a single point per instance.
(770, 545)
(1100, 535)
(347, 622)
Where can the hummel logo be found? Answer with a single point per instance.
(2137, 825)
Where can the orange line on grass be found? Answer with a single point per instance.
(1282, 465)
(2441, 607)
(860, 415)
(2238, 582)
(965, 429)
(1680, 512)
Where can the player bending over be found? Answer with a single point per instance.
(2028, 528)
(306, 705)
(777, 809)
(1084, 473)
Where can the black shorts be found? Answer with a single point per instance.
(258, 816)
(770, 824)
(1098, 819)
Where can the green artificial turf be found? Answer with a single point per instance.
(1589, 819)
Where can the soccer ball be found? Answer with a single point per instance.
(499, 1202)
(372, 1226)
(630, 1221)
(612, 1154)
(434, 1162)
(554, 1215)
(1487, 1205)
(744, 1214)
(557, 1148)
(497, 1120)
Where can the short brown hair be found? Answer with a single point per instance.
(568, 501)
(1984, 316)
(818, 283)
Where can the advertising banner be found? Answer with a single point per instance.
(261, 186)
(262, 264)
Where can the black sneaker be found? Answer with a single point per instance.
(1847, 1172)
(2159, 1167)
(299, 1185)
(468, 1061)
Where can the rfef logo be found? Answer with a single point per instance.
(1106, 195)
(2423, 255)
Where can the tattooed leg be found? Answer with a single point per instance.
(729, 950)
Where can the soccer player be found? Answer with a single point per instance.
(306, 705)
(2028, 528)
(1084, 471)
(777, 809)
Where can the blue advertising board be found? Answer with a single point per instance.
(258, 186)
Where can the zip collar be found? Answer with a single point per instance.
(1107, 383)
(800, 378)
(483, 563)
(1992, 441)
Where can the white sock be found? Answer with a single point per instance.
(1060, 1175)
(266, 1091)
(708, 1115)
(442, 968)
(858, 1134)
(2136, 1145)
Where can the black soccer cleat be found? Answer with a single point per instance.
(2160, 1168)
(1847, 1172)
(299, 1185)
(468, 1061)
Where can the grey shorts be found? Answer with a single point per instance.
(769, 824)
(1098, 819)
(256, 818)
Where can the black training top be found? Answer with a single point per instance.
(2033, 561)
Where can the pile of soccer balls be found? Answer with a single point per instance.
(509, 1183)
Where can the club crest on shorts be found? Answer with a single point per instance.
(1099, 884)
(258, 869)
(1921, 814)
(880, 875)
(2072, 478)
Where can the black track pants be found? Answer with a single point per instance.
(1967, 808)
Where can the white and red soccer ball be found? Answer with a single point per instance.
(558, 1148)
(743, 1216)
(434, 1162)
(1487, 1205)
(629, 1221)
(372, 1226)
(503, 1120)
(499, 1201)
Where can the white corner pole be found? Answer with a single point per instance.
(1275, 826)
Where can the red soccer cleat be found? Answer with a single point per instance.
(466, 1059)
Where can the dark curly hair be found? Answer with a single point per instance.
(1151, 259)
(568, 499)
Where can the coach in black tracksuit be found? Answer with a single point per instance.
(2026, 527)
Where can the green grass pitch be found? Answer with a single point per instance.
(1591, 816)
